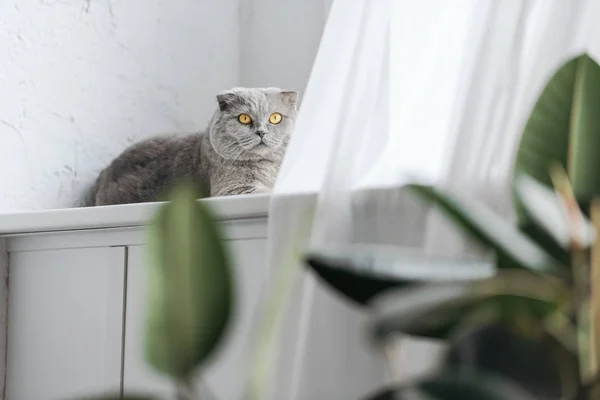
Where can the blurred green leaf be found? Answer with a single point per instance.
(545, 241)
(360, 272)
(583, 163)
(564, 128)
(513, 248)
(456, 386)
(190, 285)
(437, 310)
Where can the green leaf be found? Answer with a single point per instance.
(545, 241)
(456, 386)
(564, 128)
(438, 310)
(190, 285)
(360, 272)
(513, 248)
(584, 138)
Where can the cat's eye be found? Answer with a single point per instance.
(275, 118)
(244, 119)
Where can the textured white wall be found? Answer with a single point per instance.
(81, 79)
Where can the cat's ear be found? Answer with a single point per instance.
(227, 99)
(290, 97)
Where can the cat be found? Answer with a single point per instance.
(239, 153)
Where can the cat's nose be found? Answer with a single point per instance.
(261, 134)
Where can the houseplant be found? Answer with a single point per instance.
(546, 267)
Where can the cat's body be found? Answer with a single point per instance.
(239, 153)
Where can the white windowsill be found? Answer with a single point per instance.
(226, 208)
(398, 201)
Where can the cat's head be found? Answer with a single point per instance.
(253, 122)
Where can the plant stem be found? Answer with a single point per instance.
(581, 281)
(595, 292)
(565, 364)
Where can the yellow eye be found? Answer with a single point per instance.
(244, 119)
(275, 118)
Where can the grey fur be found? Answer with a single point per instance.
(228, 158)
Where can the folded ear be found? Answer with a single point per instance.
(227, 99)
(290, 97)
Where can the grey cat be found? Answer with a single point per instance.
(239, 153)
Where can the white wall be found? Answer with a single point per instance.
(279, 41)
(81, 79)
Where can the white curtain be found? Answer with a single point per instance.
(433, 90)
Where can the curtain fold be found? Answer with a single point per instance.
(432, 90)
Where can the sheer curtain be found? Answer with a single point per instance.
(403, 90)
